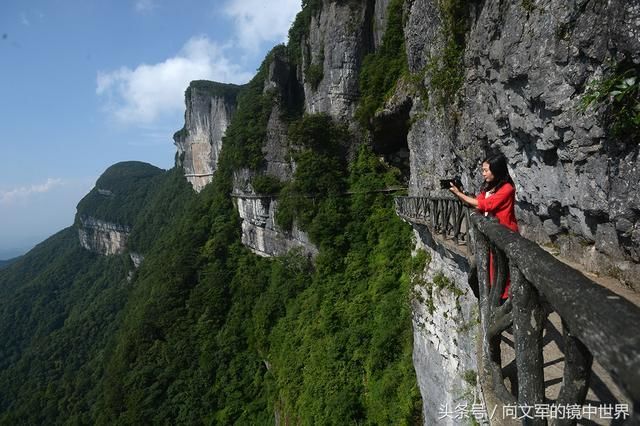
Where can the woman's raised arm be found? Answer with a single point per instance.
(472, 201)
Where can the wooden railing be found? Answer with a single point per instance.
(445, 216)
(596, 322)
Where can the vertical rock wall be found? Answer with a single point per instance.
(527, 65)
(338, 39)
(209, 109)
(379, 21)
(102, 237)
(526, 69)
(282, 83)
(260, 231)
(445, 328)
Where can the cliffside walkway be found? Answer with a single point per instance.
(559, 339)
(389, 190)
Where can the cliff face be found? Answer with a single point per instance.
(262, 235)
(102, 237)
(445, 329)
(338, 39)
(209, 109)
(573, 177)
(326, 79)
(260, 232)
(526, 71)
(106, 238)
(282, 83)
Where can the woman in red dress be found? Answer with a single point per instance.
(496, 198)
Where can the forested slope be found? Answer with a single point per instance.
(59, 310)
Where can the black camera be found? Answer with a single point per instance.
(446, 183)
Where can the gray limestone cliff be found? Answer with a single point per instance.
(102, 237)
(282, 84)
(526, 69)
(209, 109)
(106, 238)
(260, 231)
(445, 330)
(337, 43)
(341, 34)
(573, 177)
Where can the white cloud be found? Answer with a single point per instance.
(9, 196)
(25, 21)
(143, 6)
(144, 94)
(259, 21)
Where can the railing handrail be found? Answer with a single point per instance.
(595, 315)
(446, 214)
(431, 197)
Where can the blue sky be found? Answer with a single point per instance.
(87, 83)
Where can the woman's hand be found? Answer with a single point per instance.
(472, 201)
(456, 191)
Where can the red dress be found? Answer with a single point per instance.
(500, 204)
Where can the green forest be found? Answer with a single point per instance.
(205, 331)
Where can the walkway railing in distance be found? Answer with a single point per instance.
(445, 216)
(596, 322)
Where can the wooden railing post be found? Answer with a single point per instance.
(446, 220)
(577, 371)
(528, 321)
(491, 374)
(469, 237)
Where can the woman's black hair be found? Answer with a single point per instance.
(498, 166)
